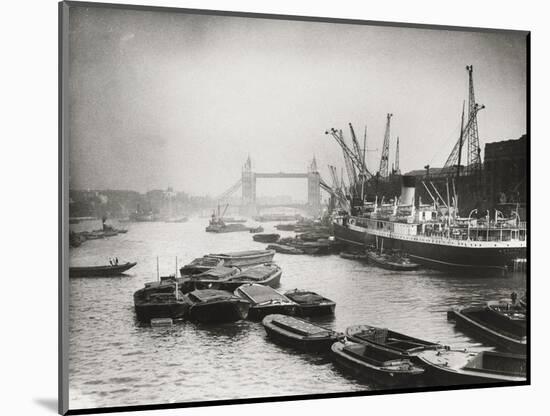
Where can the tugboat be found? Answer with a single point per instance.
(218, 225)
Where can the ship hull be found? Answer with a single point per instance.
(433, 255)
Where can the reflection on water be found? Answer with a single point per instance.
(116, 361)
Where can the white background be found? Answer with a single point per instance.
(28, 152)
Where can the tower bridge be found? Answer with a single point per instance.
(247, 183)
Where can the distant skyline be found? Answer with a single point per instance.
(163, 100)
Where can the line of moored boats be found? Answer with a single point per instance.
(229, 287)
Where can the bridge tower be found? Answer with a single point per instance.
(313, 189)
(248, 199)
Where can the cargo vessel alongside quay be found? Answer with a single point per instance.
(434, 235)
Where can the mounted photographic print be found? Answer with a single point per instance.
(278, 207)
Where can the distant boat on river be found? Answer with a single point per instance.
(217, 224)
(391, 261)
(266, 238)
(100, 271)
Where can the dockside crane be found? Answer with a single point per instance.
(360, 153)
(396, 170)
(229, 192)
(455, 158)
(383, 170)
(351, 155)
(469, 135)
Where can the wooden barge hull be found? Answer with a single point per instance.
(378, 375)
(259, 312)
(302, 344)
(242, 259)
(219, 312)
(326, 308)
(489, 335)
(486, 367)
(272, 281)
(146, 312)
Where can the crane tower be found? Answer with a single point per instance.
(383, 171)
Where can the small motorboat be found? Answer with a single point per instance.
(160, 300)
(284, 249)
(265, 300)
(266, 238)
(483, 323)
(379, 366)
(99, 234)
(299, 333)
(448, 367)
(101, 271)
(268, 274)
(218, 225)
(391, 261)
(244, 258)
(200, 265)
(216, 306)
(353, 256)
(255, 230)
(311, 303)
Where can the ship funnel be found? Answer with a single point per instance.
(407, 190)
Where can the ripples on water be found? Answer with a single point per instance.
(114, 361)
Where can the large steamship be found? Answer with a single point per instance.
(435, 235)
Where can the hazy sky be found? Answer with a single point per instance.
(164, 99)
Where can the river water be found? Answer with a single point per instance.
(115, 361)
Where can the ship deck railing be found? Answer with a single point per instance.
(453, 235)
